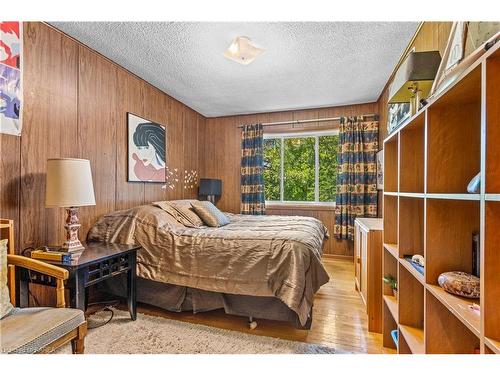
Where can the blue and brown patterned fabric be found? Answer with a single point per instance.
(252, 166)
(357, 174)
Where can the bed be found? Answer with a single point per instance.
(257, 266)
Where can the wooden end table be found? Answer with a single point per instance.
(97, 262)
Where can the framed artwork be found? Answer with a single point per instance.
(467, 42)
(11, 77)
(456, 46)
(478, 33)
(147, 152)
(380, 170)
(397, 114)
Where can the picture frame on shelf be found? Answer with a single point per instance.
(466, 43)
(380, 170)
(397, 114)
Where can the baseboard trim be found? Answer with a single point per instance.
(341, 257)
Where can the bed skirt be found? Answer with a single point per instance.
(181, 298)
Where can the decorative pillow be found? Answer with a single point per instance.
(5, 305)
(182, 211)
(460, 283)
(210, 214)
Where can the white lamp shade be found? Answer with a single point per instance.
(69, 183)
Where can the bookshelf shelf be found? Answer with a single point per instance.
(460, 307)
(392, 249)
(492, 197)
(493, 345)
(465, 197)
(414, 338)
(428, 211)
(417, 275)
(391, 193)
(392, 304)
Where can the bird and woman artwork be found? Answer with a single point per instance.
(146, 150)
(10, 77)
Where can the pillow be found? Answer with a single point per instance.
(182, 211)
(210, 214)
(5, 305)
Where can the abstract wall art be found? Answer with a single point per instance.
(10, 77)
(147, 152)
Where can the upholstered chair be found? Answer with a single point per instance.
(36, 329)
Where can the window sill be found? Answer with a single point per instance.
(300, 206)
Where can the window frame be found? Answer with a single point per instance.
(305, 134)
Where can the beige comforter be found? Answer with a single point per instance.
(276, 256)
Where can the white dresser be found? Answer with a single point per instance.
(368, 268)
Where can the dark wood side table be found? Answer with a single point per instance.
(97, 262)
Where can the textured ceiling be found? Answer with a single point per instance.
(304, 65)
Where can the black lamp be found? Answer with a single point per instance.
(211, 188)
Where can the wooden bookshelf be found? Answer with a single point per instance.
(429, 162)
(392, 249)
(392, 305)
(414, 337)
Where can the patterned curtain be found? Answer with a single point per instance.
(252, 166)
(357, 174)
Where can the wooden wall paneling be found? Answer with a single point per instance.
(226, 153)
(97, 119)
(190, 163)
(49, 127)
(202, 126)
(306, 114)
(10, 166)
(157, 109)
(131, 98)
(175, 148)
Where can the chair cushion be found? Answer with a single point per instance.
(5, 305)
(210, 214)
(30, 330)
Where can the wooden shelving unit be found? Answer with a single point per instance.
(428, 164)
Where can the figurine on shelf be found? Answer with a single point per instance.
(474, 184)
(418, 259)
(460, 283)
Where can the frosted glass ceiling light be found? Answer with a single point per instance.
(243, 51)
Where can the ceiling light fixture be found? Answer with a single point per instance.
(242, 50)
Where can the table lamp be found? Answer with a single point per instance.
(414, 78)
(211, 188)
(69, 185)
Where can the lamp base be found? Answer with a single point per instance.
(72, 243)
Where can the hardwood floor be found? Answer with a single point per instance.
(340, 320)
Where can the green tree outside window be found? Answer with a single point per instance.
(299, 168)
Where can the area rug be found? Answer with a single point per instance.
(157, 335)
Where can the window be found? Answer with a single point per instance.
(301, 167)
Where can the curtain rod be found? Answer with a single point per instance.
(278, 123)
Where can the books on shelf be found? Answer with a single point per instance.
(51, 255)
